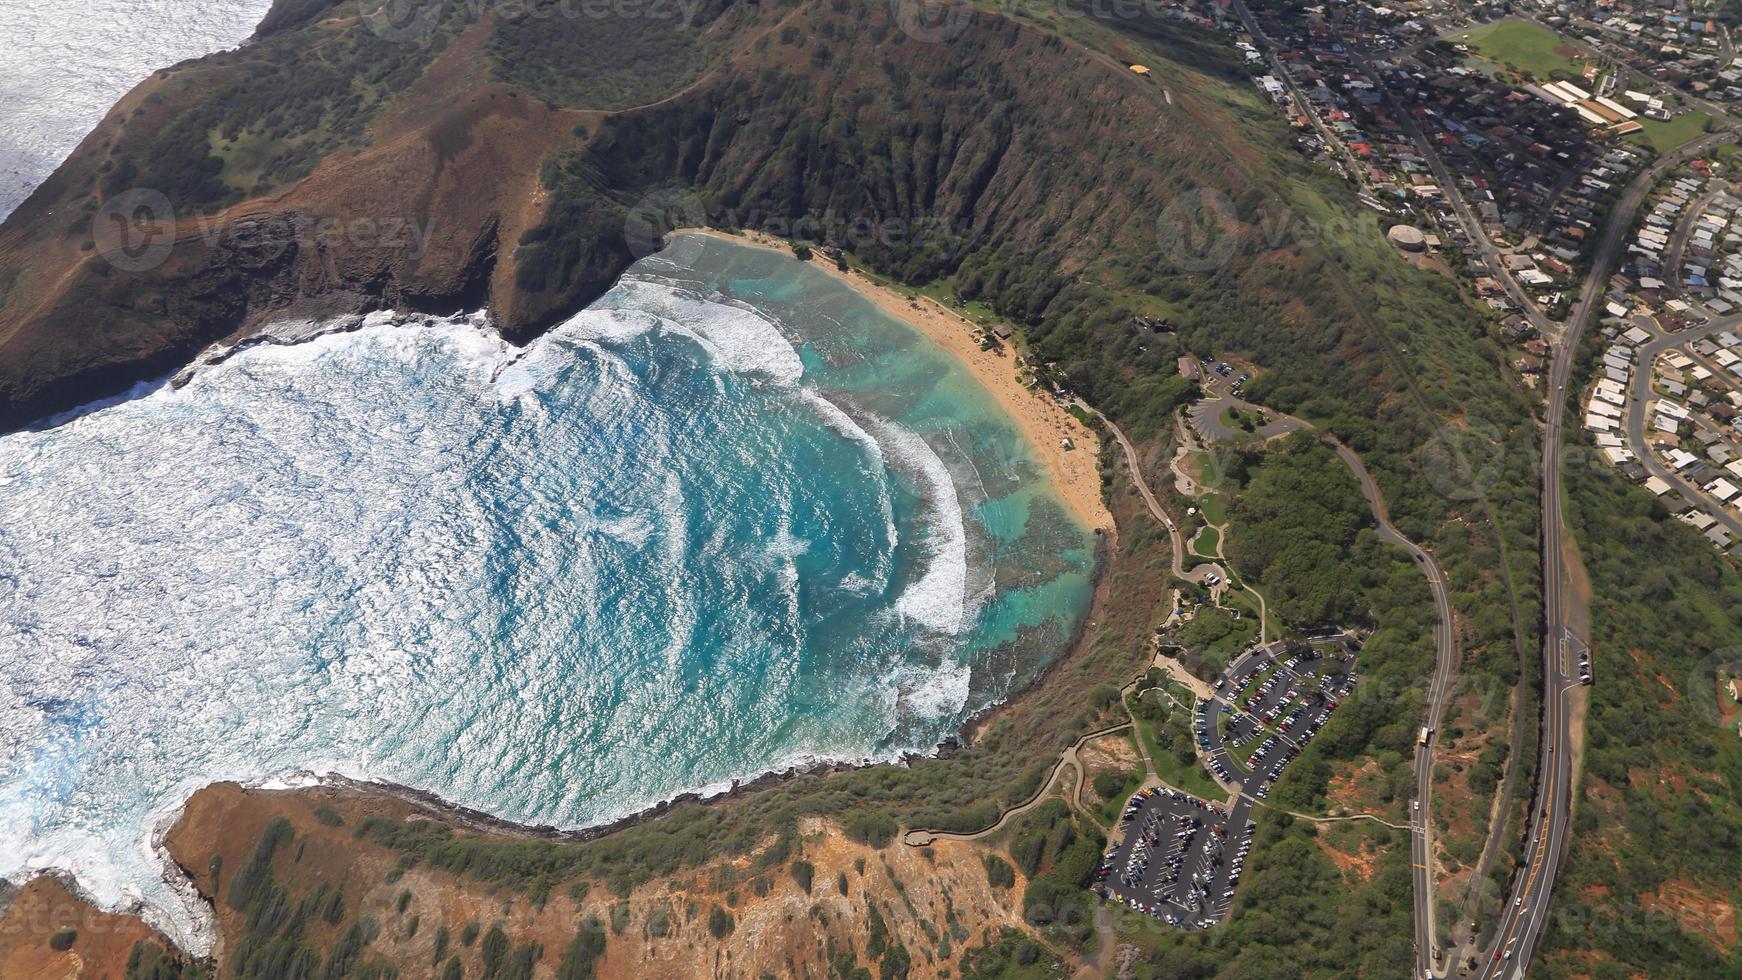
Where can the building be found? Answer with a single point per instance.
(1407, 237)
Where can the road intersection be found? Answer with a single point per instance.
(1549, 816)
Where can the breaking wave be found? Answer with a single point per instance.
(647, 553)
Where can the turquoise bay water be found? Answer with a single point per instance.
(729, 519)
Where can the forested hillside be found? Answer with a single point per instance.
(1013, 167)
(1651, 884)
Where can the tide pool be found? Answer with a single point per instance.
(729, 519)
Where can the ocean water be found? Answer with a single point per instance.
(729, 519)
(63, 63)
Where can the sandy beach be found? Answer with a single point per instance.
(1039, 417)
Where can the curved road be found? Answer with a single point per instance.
(1640, 392)
(1198, 573)
(1445, 657)
(1421, 849)
(1550, 816)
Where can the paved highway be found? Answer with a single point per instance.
(1550, 817)
(1445, 657)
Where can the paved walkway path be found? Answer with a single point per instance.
(1352, 816)
(1196, 574)
(1439, 688)
(1177, 673)
(1207, 419)
(923, 838)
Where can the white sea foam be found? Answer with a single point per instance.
(610, 326)
(937, 598)
(300, 548)
(840, 421)
(63, 63)
(935, 692)
(837, 419)
(736, 338)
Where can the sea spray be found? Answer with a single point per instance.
(557, 583)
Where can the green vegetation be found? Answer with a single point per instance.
(1239, 752)
(275, 941)
(494, 951)
(1165, 729)
(1236, 419)
(1214, 507)
(1661, 796)
(1114, 788)
(1208, 468)
(581, 957)
(1322, 565)
(1296, 915)
(149, 961)
(8, 282)
(263, 115)
(1528, 48)
(720, 924)
(999, 873)
(1250, 695)
(1214, 636)
(1665, 136)
(1013, 957)
(633, 55)
(1295, 533)
(1058, 851)
(941, 138)
(1204, 545)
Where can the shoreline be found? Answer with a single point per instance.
(1074, 474)
(1033, 415)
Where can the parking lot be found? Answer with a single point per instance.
(1268, 710)
(1219, 378)
(1179, 858)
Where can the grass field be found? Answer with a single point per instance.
(1214, 507)
(1526, 47)
(1189, 776)
(1666, 136)
(1204, 545)
(1208, 470)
